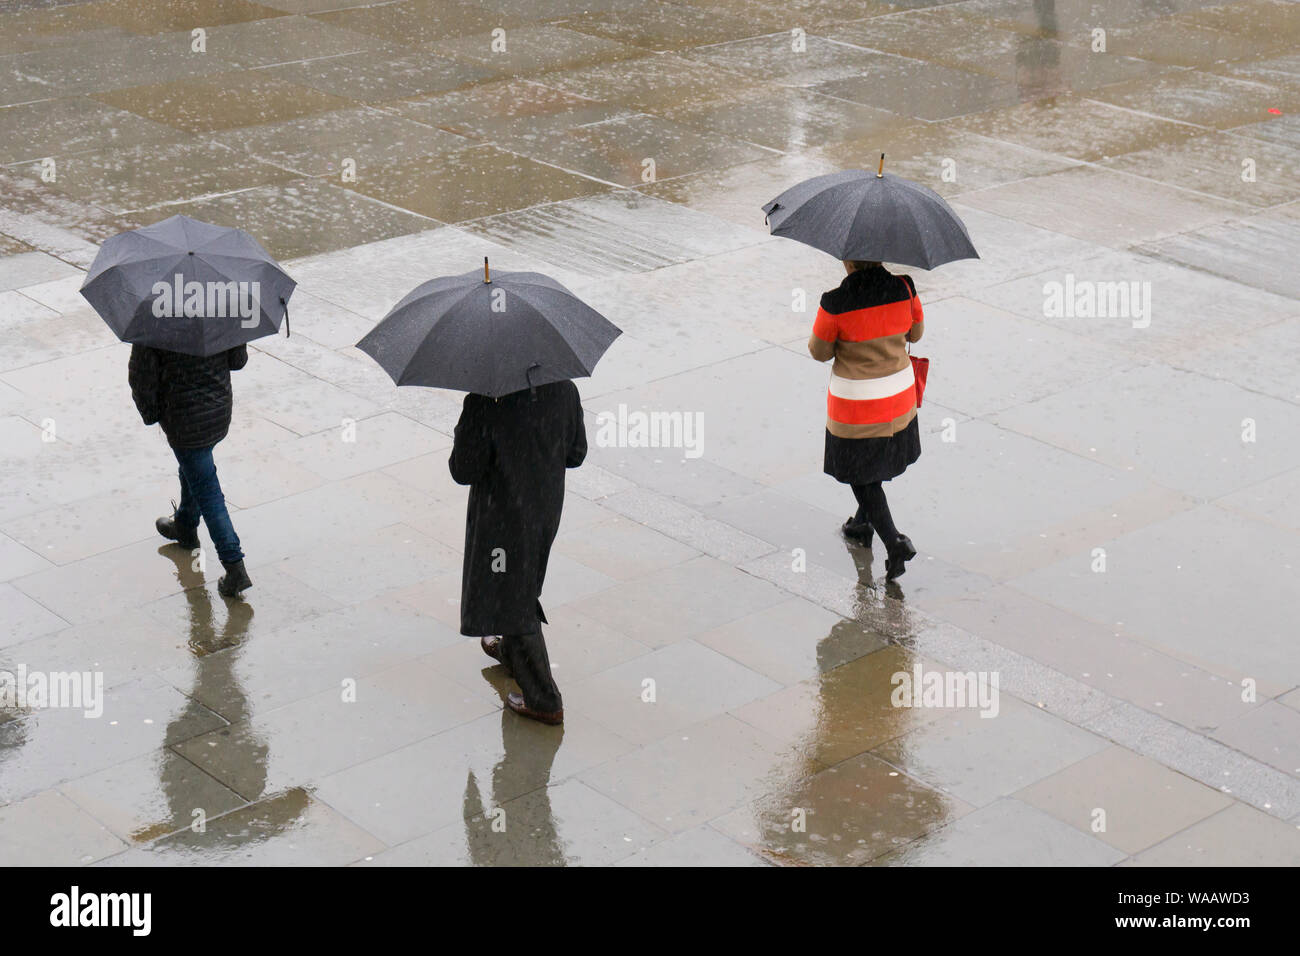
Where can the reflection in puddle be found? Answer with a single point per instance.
(837, 804)
(1038, 56)
(527, 835)
(216, 648)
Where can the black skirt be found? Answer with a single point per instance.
(862, 461)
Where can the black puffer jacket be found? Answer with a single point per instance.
(188, 394)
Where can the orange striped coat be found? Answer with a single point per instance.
(865, 325)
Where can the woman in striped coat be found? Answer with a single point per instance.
(872, 433)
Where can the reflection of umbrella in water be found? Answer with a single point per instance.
(873, 217)
(490, 336)
(188, 286)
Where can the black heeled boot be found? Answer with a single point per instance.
(234, 580)
(859, 531)
(173, 530)
(900, 552)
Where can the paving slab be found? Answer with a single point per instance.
(1005, 833)
(727, 659)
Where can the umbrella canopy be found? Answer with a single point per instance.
(875, 217)
(187, 286)
(489, 334)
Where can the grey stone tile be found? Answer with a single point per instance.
(686, 779)
(566, 825)
(700, 847)
(1267, 733)
(1004, 833)
(792, 641)
(1187, 560)
(1127, 801)
(310, 739)
(1087, 652)
(288, 829)
(1237, 836)
(48, 829)
(464, 772)
(979, 760)
(690, 683)
(1250, 251)
(148, 797)
(1105, 207)
(679, 602)
(53, 745)
(1241, 437)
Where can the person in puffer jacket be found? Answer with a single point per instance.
(190, 396)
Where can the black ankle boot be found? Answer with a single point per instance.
(234, 580)
(900, 552)
(173, 530)
(859, 531)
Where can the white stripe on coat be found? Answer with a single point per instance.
(887, 386)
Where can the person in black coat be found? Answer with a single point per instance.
(512, 452)
(190, 396)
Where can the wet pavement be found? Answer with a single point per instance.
(1105, 508)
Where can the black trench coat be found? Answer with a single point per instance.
(512, 452)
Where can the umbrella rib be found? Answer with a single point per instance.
(563, 338)
(178, 258)
(433, 324)
(822, 187)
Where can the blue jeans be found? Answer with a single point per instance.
(201, 495)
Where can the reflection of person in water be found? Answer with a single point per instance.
(529, 837)
(840, 718)
(216, 652)
(1038, 56)
(13, 731)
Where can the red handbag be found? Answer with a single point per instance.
(920, 369)
(920, 364)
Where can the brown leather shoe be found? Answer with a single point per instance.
(491, 647)
(516, 703)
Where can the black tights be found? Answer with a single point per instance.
(873, 508)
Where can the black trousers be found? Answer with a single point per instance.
(873, 508)
(525, 656)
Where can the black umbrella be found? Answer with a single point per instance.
(188, 286)
(874, 217)
(489, 335)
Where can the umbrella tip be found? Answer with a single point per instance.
(880, 171)
(487, 276)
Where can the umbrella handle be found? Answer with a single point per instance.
(285, 303)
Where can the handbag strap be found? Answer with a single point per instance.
(908, 289)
